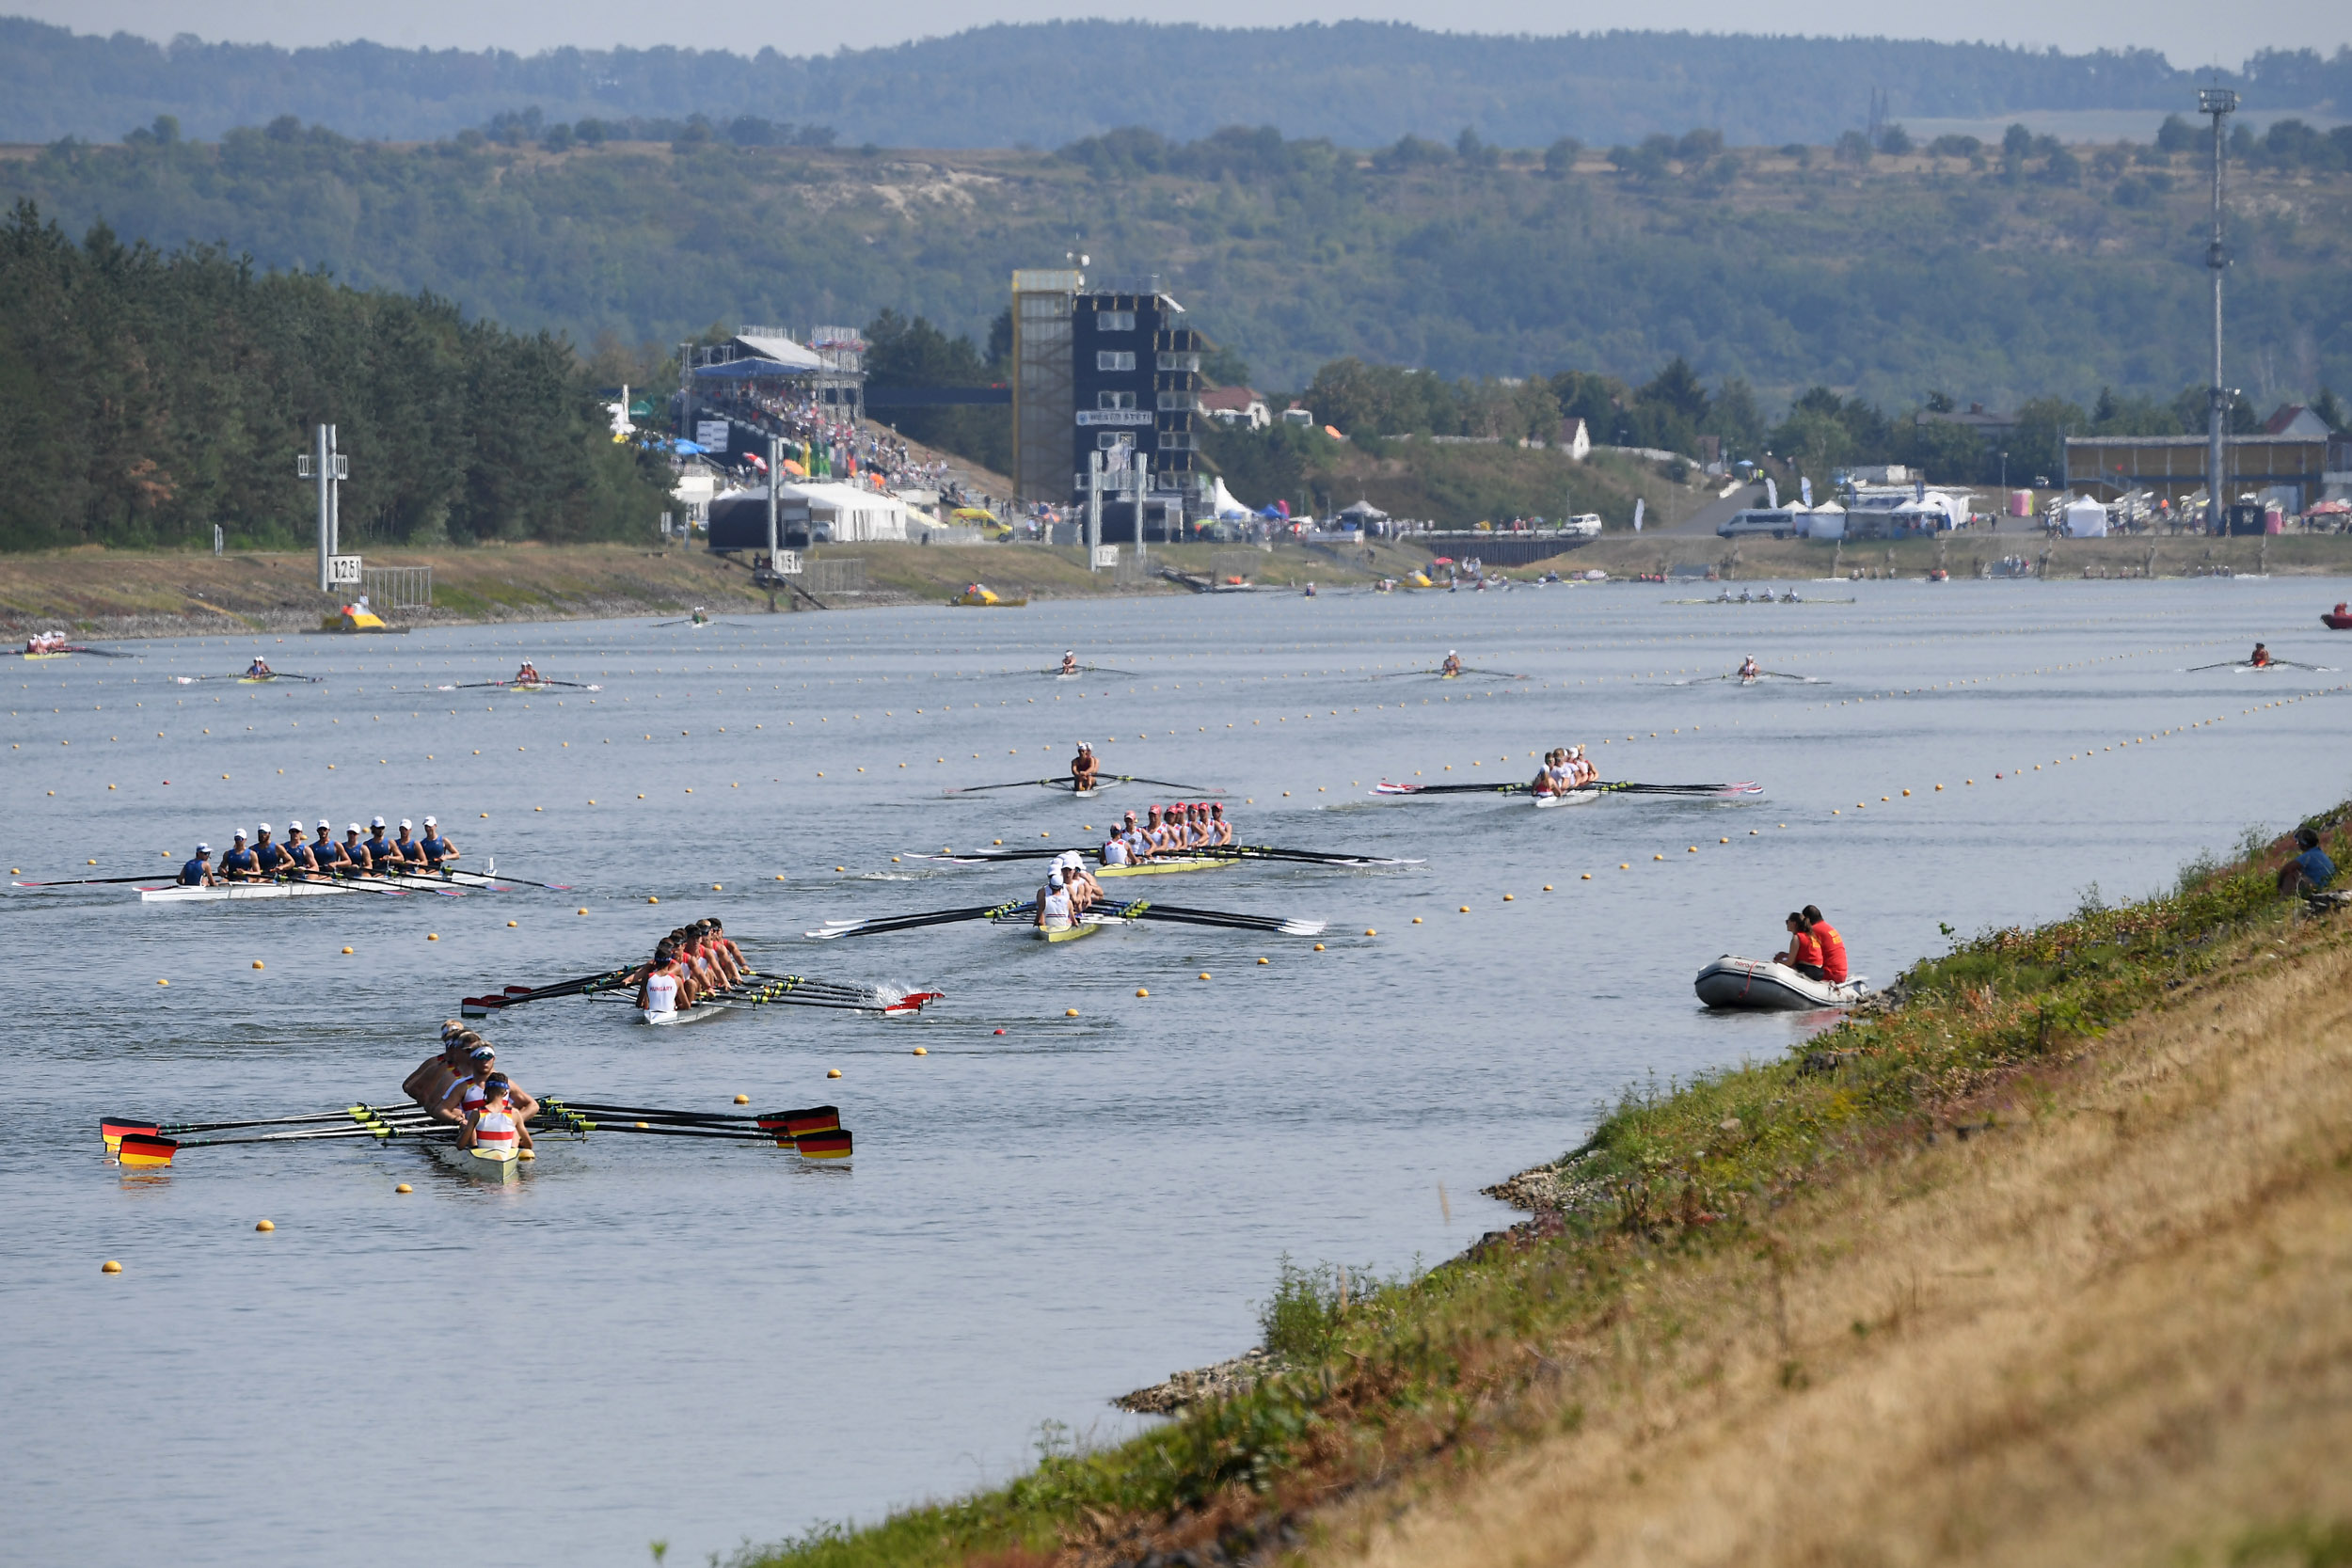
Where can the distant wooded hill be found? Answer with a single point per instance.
(1994, 274)
(1361, 83)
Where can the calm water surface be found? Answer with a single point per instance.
(706, 1344)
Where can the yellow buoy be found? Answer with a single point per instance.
(651, 899)
(167, 982)
(257, 963)
(1370, 932)
(833, 1072)
(404, 1187)
(1069, 1012)
(1466, 908)
(1204, 974)
(1266, 960)
(510, 925)
(718, 888)
(584, 911)
(526, 1154)
(922, 1051)
(1546, 887)
(110, 1266)
(742, 1100)
(433, 935)
(1140, 992)
(263, 1224)
(1318, 947)
(1416, 920)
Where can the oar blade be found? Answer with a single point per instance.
(114, 1129)
(824, 1146)
(145, 1150)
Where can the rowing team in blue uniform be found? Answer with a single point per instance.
(1171, 833)
(260, 860)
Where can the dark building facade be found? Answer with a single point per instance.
(1135, 383)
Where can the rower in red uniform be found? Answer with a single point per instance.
(1833, 945)
(496, 1121)
(2259, 658)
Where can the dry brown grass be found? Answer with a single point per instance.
(2119, 1328)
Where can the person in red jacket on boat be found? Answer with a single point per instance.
(1803, 954)
(1832, 946)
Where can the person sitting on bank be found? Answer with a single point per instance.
(2309, 871)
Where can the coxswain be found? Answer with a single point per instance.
(325, 853)
(527, 675)
(2259, 658)
(259, 670)
(1803, 954)
(438, 850)
(1453, 665)
(1832, 946)
(199, 872)
(496, 1121)
(381, 855)
(1748, 670)
(406, 850)
(1054, 912)
(1083, 768)
(239, 865)
(1070, 662)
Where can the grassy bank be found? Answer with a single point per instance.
(2042, 1258)
(1623, 554)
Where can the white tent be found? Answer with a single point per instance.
(2085, 519)
(845, 514)
(1825, 521)
(1222, 502)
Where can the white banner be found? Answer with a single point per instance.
(712, 434)
(1641, 504)
(1115, 416)
(342, 569)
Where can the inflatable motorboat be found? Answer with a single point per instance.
(2338, 619)
(1760, 985)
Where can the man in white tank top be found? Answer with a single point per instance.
(1053, 903)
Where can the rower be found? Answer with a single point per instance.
(718, 952)
(298, 854)
(1053, 903)
(665, 980)
(1546, 779)
(271, 859)
(496, 1120)
(1833, 945)
(323, 853)
(2259, 658)
(1115, 850)
(1803, 954)
(1220, 831)
(433, 1077)
(468, 1092)
(725, 945)
(406, 849)
(1084, 892)
(438, 850)
(259, 670)
(199, 872)
(1070, 662)
(528, 675)
(1749, 670)
(1153, 832)
(1453, 665)
(356, 859)
(1083, 768)
(381, 855)
(238, 864)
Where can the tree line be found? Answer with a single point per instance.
(147, 396)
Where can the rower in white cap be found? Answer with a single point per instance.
(269, 859)
(381, 855)
(238, 864)
(328, 855)
(406, 849)
(357, 861)
(299, 858)
(1054, 910)
(1084, 892)
(1070, 662)
(1453, 665)
(1083, 768)
(199, 872)
(439, 851)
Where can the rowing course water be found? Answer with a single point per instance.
(703, 1343)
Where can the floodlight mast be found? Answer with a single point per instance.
(2219, 102)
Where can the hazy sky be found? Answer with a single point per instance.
(2192, 33)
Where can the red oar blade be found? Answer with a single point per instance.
(145, 1150)
(913, 1001)
(824, 1146)
(114, 1131)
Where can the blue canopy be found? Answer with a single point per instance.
(682, 445)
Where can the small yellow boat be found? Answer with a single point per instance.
(351, 618)
(1167, 867)
(980, 597)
